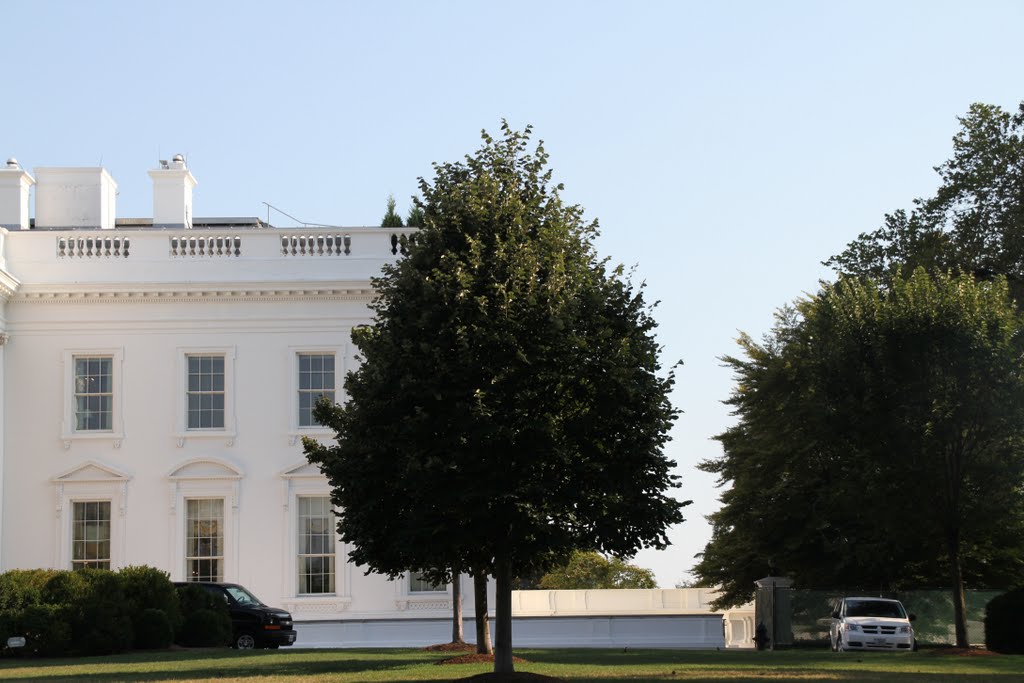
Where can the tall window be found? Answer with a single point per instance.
(205, 392)
(204, 539)
(90, 535)
(316, 545)
(316, 379)
(418, 584)
(94, 393)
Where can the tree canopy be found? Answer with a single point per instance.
(589, 570)
(510, 405)
(975, 221)
(879, 443)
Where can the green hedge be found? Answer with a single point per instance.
(207, 619)
(1004, 623)
(88, 611)
(147, 588)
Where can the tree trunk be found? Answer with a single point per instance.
(483, 624)
(457, 607)
(503, 616)
(959, 604)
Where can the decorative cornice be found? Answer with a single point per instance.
(9, 285)
(192, 293)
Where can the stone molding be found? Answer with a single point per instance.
(189, 294)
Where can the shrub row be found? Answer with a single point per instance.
(1004, 623)
(96, 611)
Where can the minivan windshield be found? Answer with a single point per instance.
(875, 608)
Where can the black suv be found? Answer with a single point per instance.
(253, 624)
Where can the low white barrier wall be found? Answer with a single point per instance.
(697, 632)
(675, 618)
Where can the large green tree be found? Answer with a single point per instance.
(510, 405)
(589, 569)
(974, 223)
(879, 443)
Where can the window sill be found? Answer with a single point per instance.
(114, 437)
(424, 602)
(198, 435)
(308, 606)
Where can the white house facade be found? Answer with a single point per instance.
(158, 377)
(157, 380)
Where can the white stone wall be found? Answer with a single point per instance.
(148, 309)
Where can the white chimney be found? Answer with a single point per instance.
(75, 198)
(14, 190)
(172, 194)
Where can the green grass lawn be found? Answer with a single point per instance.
(569, 664)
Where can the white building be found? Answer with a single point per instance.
(157, 380)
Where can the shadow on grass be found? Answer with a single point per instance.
(600, 666)
(214, 665)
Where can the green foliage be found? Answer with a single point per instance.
(1004, 623)
(206, 628)
(416, 217)
(89, 611)
(192, 598)
(64, 587)
(586, 570)
(148, 588)
(879, 440)
(509, 406)
(102, 623)
(153, 629)
(206, 619)
(391, 218)
(20, 588)
(507, 365)
(975, 221)
(94, 605)
(48, 630)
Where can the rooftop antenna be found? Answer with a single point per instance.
(285, 213)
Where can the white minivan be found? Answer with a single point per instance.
(871, 624)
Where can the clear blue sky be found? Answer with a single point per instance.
(727, 148)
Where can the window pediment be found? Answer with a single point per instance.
(92, 472)
(302, 470)
(204, 468)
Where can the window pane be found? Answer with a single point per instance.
(204, 539)
(418, 584)
(316, 545)
(316, 379)
(90, 534)
(205, 395)
(93, 386)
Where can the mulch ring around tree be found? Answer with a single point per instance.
(963, 652)
(475, 658)
(513, 677)
(451, 647)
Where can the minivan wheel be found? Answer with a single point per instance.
(245, 641)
